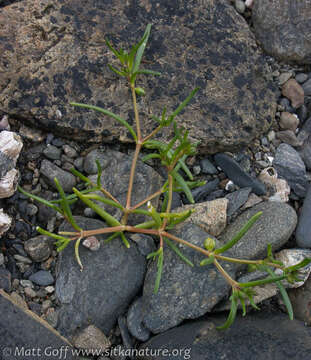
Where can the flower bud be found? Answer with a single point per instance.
(209, 244)
(140, 91)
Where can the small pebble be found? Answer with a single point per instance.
(207, 167)
(30, 292)
(301, 78)
(42, 278)
(70, 151)
(22, 259)
(26, 283)
(240, 6)
(1, 259)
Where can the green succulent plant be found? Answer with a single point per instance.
(172, 155)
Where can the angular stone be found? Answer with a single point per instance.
(235, 173)
(24, 335)
(283, 28)
(115, 179)
(201, 193)
(288, 137)
(237, 199)
(301, 302)
(38, 248)
(211, 216)
(135, 321)
(294, 92)
(104, 289)
(290, 167)
(305, 152)
(264, 336)
(42, 278)
(51, 171)
(64, 46)
(91, 338)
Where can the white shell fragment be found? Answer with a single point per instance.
(249, 3)
(10, 144)
(269, 176)
(5, 222)
(91, 243)
(8, 183)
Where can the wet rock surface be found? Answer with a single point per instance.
(65, 42)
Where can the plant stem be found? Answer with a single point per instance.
(224, 273)
(150, 197)
(155, 131)
(136, 113)
(248, 262)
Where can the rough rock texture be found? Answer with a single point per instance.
(188, 292)
(284, 28)
(211, 216)
(115, 178)
(290, 167)
(23, 330)
(103, 290)
(264, 336)
(54, 53)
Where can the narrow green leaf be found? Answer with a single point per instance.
(80, 176)
(179, 179)
(208, 260)
(111, 237)
(39, 199)
(145, 225)
(73, 197)
(185, 168)
(184, 103)
(151, 156)
(125, 241)
(65, 205)
(103, 200)
(148, 72)
(142, 212)
(178, 252)
(117, 54)
(77, 243)
(110, 220)
(52, 235)
(176, 221)
(298, 266)
(99, 173)
(267, 280)
(117, 71)
(284, 294)
(232, 315)
(109, 113)
(240, 234)
(141, 49)
(159, 272)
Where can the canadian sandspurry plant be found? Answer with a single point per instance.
(158, 222)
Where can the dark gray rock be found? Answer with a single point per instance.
(103, 290)
(237, 199)
(283, 28)
(38, 248)
(52, 152)
(27, 333)
(235, 173)
(188, 292)
(6, 164)
(207, 167)
(275, 226)
(5, 280)
(115, 179)
(145, 243)
(69, 57)
(264, 336)
(290, 167)
(42, 278)
(307, 87)
(51, 171)
(303, 231)
(135, 321)
(302, 113)
(305, 152)
(89, 163)
(200, 193)
(301, 78)
(125, 335)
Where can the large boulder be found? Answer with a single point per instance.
(55, 52)
(284, 28)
